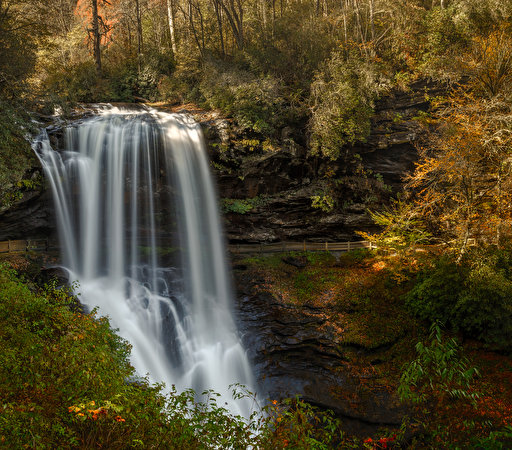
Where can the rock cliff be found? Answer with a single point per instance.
(281, 186)
(285, 193)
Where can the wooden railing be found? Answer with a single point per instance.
(304, 246)
(20, 246)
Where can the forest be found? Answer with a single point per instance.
(287, 74)
(313, 69)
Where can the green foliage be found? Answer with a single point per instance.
(474, 296)
(443, 32)
(438, 369)
(17, 52)
(78, 83)
(297, 424)
(436, 291)
(66, 382)
(257, 103)
(402, 228)
(496, 440)
(342, 95)
(323, 201)
(300, 44)
(241, 206)
(484, 308)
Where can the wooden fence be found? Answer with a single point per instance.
(20, 246)
(304, 246)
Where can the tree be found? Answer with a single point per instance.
(342, 93)
(96, 36)
(20, 29)
(462, 184)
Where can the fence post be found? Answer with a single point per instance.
(304, 242)
(8, 246)
(348, 246)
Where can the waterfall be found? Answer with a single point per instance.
(140, 231)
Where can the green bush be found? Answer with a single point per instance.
(241, 206)
(474, 296)
(439, 367)
(77, 83)
(257, 103)
(342, 97)
(484, 307)
(437, 290)
(66, 382)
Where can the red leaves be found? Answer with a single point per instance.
(380, 443)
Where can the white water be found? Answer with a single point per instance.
(134, 201)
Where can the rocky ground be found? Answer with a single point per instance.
(322, 331)
(334, 330)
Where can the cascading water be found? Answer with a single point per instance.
(140, 231)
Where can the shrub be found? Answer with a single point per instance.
(437, 368)
(474, 297)
(484, 307)
(257, 103)
(342, 96)
(77, 83)
(437, 290)
(66, 382)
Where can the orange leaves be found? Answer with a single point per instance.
(87, 412)
(461, 183)
(107, 12)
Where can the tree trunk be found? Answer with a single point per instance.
(273, 19)
(170, 18)
(234, 13)
(140, 43)
(96, 36)
(218, 14)
(193, 27)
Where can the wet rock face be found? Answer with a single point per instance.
(296, 351)
(29, 218)
(285, 179)
(288, 180)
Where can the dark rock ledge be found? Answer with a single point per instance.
(296, 351)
